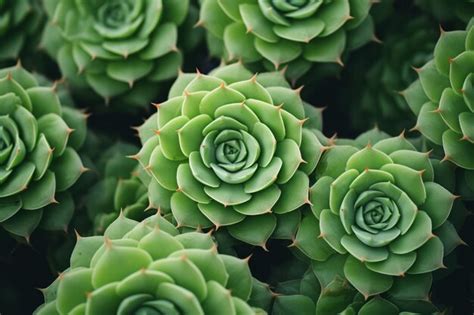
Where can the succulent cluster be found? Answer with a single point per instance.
(38, 158)
(221, 193)
(443, 97)
(229, 149)
(119, 49)
(378, 213)
(147, 268)
(287, 32)
(20, 20)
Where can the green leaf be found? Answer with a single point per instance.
(39, 193)
(67, 169)
(394, 265)
(367, 282)
(55, 131)
(308, 242)
(438, 204)
(363, 252)
(409, 181)
(280, 52)
(186, 212)
(256, 23)
(23, 223)
(255, 230)
(228, 194)
(429, 257)
(220, 215)
(326, 49)
(301, 31)
(332, 230)
(129, 71)
(169, 138)
(294, 194)
(418, 234)
(261, 202)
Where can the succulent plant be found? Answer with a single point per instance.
(279, 33)
(443, 97)
(122, 188)
(378, 214)
(376, 73)
(160, 272)
(38, 158)
(119, 49)
(20, 21)
(229, 149)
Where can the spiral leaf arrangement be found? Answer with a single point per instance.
(114, 46)
(286, 32)
(38, 158)
(147, 268)
(229, 149)
(379, 213)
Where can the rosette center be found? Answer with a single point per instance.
(232, 154)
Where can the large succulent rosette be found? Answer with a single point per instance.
(20, 20)
(38, 159)
(443, 97)
(122, 188)
(120, 49)
(147, 268)
(378, 72)
(378, 213)
(229, 149)
(288, 32)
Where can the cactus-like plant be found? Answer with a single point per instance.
(120, 49)
(378, 214)
(229, 149)
(376, 74)
(147, 268)
(20, 20)
(443, 97)
(287, 32)
(122, 188)
(38, 159)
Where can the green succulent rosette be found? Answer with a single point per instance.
(38, 158)
(229, 149)
(296, 33)
(20, 21)
(121, 189)
(377, 73)
(443, 97)
(147, 268)
(120, 49)
(378, 214)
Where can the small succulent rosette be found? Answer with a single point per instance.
(443, 97)
(230, 149)
(38, 159)
(121, 188)
(120, 49)
(20, 22)
(279, 33)
(379, 217)
(147, 268)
